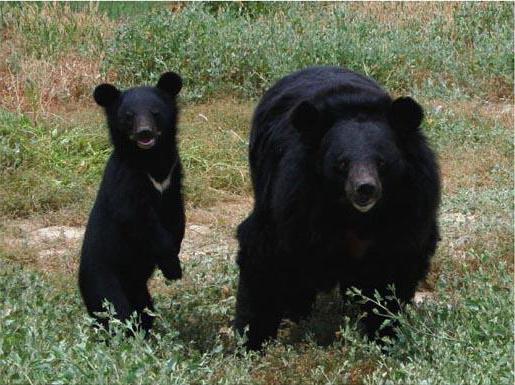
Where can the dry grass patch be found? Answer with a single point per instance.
(53, 29)
(52, 56)
(224, 216)
(40, 88)
(463, 243)
(481, 112)
(282, 364)
(401, 15)
(463, 167)
(213, 145)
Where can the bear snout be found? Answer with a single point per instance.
(365, 197)
(363, 187)
(365, 192)
(145, 138)
(144, 132)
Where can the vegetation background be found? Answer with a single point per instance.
(456, 59)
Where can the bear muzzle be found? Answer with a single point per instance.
(144, 133)
(365, 197)
(363, 187)
(145, 139)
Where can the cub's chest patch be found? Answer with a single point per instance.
(160, 186)
(164, 184)
(354, 246)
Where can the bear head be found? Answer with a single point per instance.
(358, 150)
(140, 118)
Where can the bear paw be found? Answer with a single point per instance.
(171, 268)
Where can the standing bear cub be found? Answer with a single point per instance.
(346, 193)
(137, 221)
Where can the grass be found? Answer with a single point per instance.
(224, 52)
(69, 161)
(460, 337)
(455, 58)
(449, 51)
(71, 152)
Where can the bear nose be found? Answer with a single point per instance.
(144, 133)
(366, 190)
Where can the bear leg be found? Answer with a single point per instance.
(257, 309)
(243, 312)
(141, 299)
(99, 286)
(300, 304)
(262, 327)
(372, 321)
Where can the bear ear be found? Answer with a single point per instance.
(305, 117)
(106, 94)
(170, 82)
(406, 114)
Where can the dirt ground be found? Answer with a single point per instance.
(56, 248)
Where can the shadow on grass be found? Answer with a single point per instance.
(207, 327)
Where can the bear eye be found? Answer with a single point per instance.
(129, 115)
(342, 166)
(154, 113)
(380, 163)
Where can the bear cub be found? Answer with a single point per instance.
(137, 221)
(346, 193)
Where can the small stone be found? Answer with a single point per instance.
(422, 296)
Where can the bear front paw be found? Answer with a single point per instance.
(171, 268)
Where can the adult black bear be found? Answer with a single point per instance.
(346, 192)
(137, 221)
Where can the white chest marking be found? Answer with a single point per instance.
(162, 186)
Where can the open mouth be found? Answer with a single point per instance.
(145, 139)
(364, 206)
(146, 143)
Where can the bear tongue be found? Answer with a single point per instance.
(146, 143)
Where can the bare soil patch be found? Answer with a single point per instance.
(56, 248)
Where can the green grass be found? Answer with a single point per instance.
(70, 155)
(223, 52)
(56, 163)
(455, 58)
(214, 140)
(121, 10)
(446, 51)
(48, 167)
(462, 337)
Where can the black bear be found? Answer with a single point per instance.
(137, 221)
(346, 193)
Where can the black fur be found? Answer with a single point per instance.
(310, 132)
(133, 227)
